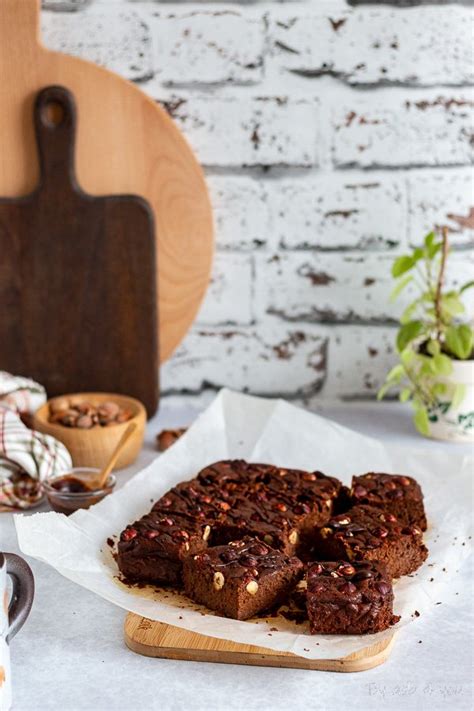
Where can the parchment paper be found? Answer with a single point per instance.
(240, 426)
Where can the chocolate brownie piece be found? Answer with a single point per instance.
(193, 501)
(349, 598)
(153, 548)
(229, 475)
(397, 494)
(241, 578)
(308, 496)
(268, 520)
(368, 533)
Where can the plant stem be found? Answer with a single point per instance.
(439, 285)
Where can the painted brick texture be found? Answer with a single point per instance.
(333, 134)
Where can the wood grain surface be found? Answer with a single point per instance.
(77, 275)
(156, 639)
(126, 144)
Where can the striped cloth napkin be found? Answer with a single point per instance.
(26, 457)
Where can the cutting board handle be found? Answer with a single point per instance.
(55, 126)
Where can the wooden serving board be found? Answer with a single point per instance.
(156, 639)
(77, 275)
(126, 144)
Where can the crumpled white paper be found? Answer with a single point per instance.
(240, 426)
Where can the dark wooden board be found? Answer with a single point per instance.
(77, 275)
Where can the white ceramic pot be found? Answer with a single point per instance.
(456, 424)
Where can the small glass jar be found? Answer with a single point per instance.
(74, 490)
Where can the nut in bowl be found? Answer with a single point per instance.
(90, 425)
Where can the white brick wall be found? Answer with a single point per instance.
(334, 133)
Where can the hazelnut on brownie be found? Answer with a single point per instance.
(194, 501)
(229, 474)
(369, 533)
(270, 521)
(241, 578)
(309, 496)
(349, 598)
(153, 549)
(398, 494)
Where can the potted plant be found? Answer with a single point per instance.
(435, 344)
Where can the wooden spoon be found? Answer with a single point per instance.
(101, 480)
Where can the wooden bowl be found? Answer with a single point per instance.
(93, 447)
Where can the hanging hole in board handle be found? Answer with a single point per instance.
(52, 114)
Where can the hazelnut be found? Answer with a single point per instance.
(207, 533)
(293, 538)
(84, 422)
(218, 581)
(346, 569)
(348, 589)
(252, 587)
(129, 534)
(413, 530)
(58, 405)
(258, 549)
(151, 534)
(248, 561)
(111, 408)
(404, 480)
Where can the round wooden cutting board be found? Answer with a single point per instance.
(125, 143)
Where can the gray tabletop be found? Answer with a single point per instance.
(70, 655)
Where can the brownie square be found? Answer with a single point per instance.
(368, 533)
(229, 475)
(266, 520)
(308, 496)
(397, 494)
(241, 578)
(153, 548)
(193, 501)
(349, 598)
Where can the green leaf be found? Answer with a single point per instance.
(382, 391)
(399, 286)
(467, 286)
(433, 347)
(407, 356)
(460, 340)
(409, 312)
(418, 254)
(405, 394)
(459, 394)
(443, 364)
(451, 304)
(421, 420)
(433, 250)
(408, 332)
(429, 239)
(402, 264)
(439, 389)
(395, 374)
